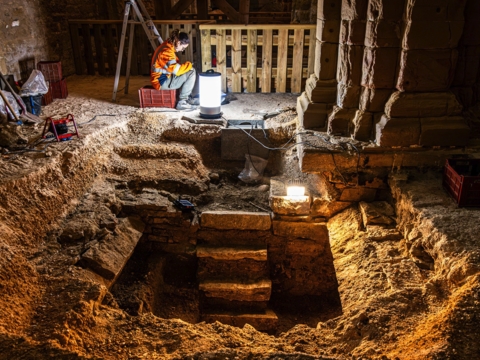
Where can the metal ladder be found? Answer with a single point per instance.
(150, 30)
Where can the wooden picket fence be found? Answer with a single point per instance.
(95, 45)
(257, 57)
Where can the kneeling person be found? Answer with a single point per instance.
(168, 74)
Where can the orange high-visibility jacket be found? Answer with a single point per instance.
(165, 63)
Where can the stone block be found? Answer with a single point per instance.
(320, 90)
(422, 105)
(471, 31)
(363, 126)
(327, 209)
(358, 194)
(383, 33)
(312, 115)
(348, 97)
(391, 132)
(328, 30)
(261, 321)
(354, 9)
(379, 67)
(377, 213)
(468, 64)
(326, 55)
(426, 70)
(446, 131)
(385, 9)
(465, 96)
(441, 10)
(379, 233)
(235, 220)
(232, 253)
(373, 100)
(349, 71)
(340, 121)
(108, 257)
(237, 291)
(290, 205)
(312, 231)
(352, 32)
(432, 34)
(304, 247)
(329, 10)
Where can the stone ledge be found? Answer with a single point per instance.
(260, 321)
(237, 291)
(290, 205)
(312, 231)
(232, 253)
(236, 220)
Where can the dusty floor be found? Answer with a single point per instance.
(392, 308)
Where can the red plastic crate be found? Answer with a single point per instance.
(51, 70)
(47, 98)
(149, 97)
(461, 178)
(59, 89)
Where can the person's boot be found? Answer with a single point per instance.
(184, 105)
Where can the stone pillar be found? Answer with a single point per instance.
(349, 66)
(466, 84)
(431, 33)
(319, 97)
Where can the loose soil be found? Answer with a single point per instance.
(392, 307)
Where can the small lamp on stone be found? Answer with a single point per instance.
(210, 92)
(295, 188)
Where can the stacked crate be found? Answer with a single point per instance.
(52, 72)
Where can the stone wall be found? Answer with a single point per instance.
(395, 67)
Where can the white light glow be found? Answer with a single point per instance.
(296, 191)
(210, 91)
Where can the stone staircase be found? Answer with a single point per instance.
(234, 284)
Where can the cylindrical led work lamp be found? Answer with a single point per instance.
(210, 94)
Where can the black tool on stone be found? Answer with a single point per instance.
(184, 205)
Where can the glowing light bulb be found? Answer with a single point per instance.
(296, 191)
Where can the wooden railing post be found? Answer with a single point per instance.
(252, 61)
(267, 48)
(237, 61)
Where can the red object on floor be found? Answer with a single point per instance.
(149, 97)
(47, 98)
(51, 70)
(53, 128)
(461, 178)
(59, 89)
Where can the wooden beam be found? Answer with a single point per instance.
(236, 61)
(311, 53)
(291, 40)
(267, 61)
(228, 10)
(206, 51)
(297, 61)
(87, 46)
(157, 22)
(79, 64)
(256, 26)
(97, 35)
(222, 58)
(179, 8)
(163, 9)
(282, 60)
(244, 11)
(202, 9)
(252, 61)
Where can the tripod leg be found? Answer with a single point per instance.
(120, 51)
(129, 60)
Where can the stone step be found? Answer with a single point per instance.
(235, 220)
(232, 253)
(242, 269)
(262, 321)
(234, 290)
